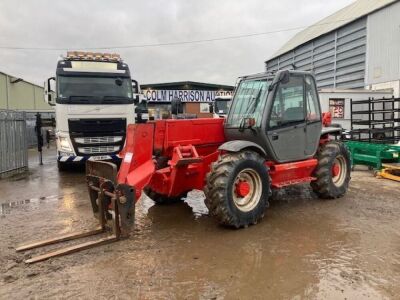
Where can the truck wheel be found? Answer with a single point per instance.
(237, 190)
(62, 167)
(332, 172)
(162, 199)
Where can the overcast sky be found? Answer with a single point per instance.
(74, 24)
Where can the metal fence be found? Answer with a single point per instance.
(13, 142)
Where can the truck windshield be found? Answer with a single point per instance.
(249, 101)
(221, 106)
(94, 90)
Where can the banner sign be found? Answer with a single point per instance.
(184, 95)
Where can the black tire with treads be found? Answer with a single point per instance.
(324, 186)
(219, 188)
(62, 167)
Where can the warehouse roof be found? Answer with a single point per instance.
(342, 17)
(15, 79)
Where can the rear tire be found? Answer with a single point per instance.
(333, 171)
(238, 188)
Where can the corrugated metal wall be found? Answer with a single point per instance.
(337, 58)
(384, 45)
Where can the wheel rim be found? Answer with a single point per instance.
(247, 190)
(339, 171)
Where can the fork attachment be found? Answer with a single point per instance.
(109, 202)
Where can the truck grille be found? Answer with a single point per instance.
(98, 140)
(98, 149)
(91, 126)
(97, 136)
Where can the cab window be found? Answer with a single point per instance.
(313, 111)
(249, 102)
(288, 103)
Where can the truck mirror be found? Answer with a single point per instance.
(176, 106)
(49, 94)
(135, 86)
(136, 99)
(211, 107)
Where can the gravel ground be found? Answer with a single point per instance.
(305, 248)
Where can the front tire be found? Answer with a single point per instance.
(62, 167)
(333, 171)
(238, 188)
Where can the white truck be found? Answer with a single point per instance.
(220, 106)
(95, 99)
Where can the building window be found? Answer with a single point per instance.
(336, 107)
(204, 108)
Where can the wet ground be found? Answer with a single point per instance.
(305, 248)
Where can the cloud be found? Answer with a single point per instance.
(73, 24)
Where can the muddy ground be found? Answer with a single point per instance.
(305, 248)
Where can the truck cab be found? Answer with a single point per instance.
(95, 99)
(220, 106)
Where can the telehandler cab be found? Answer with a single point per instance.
(274, 136)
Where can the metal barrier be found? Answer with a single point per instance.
(13, 143)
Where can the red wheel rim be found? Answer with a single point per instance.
(335, 169)
(247, 190)
(242, 188)
(339, 171)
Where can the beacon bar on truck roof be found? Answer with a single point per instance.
(97, 56)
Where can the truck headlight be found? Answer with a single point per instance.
(65, 144)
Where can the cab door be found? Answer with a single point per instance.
(313, 116)
(286, 126)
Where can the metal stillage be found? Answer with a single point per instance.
(13, 144)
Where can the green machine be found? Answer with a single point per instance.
(373, 155)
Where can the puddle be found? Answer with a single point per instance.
(195, 200)
(5, 208)
(144, 204)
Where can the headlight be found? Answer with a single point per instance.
(65, 144)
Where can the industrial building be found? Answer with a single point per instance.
(196, 97)
(356, 47)
(18, 94)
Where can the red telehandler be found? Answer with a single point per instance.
(274, 136)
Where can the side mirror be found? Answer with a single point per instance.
(49, 94)
(135, 86)
(211, 107)
(284, 77)
(136, 99)
(176, 106)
